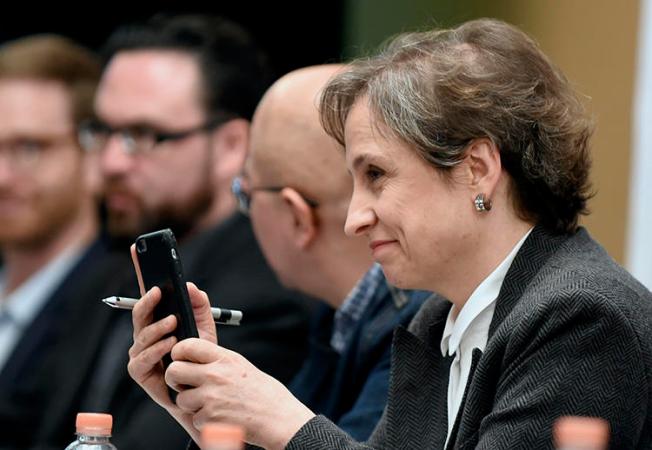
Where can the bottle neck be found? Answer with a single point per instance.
(87, 438)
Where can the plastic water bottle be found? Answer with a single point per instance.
(93, 432)
(581, 433)
(222, 436)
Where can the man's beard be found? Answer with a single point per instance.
(181, 219)
(51, 212)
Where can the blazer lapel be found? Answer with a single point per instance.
(536, 250)
(419, 377)
(478, 398)
(475, 358)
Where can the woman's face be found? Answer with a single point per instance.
(421, 227)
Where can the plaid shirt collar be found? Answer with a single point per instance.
(354, 306)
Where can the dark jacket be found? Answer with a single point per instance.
(351, 388)
(571, 335)
(26, 383)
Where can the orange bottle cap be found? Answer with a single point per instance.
(222, 434)
(94, 424)
(589, 432)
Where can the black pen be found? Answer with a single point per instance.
(221, 315)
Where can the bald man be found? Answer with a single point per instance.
(296, 189)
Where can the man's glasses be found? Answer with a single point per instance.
(94, 135)
(243, 197)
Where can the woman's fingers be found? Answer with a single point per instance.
(191, 400)
(197, 351)
(201, 308)
(198, 364)
(181, 375)
(143, 313)
(142, 363)
(149, 335)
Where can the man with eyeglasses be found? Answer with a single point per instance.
(171, 131)
(54, 260)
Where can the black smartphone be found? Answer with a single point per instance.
(160, 265)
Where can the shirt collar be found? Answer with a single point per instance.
(482, 297)
(23, 303)
(354, 305)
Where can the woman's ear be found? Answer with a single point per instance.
(304, 219)
(484, 166)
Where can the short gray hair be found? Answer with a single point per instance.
(438, 90)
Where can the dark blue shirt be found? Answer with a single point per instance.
(349, 385)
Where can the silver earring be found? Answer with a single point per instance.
(482, 204)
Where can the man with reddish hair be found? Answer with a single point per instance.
(54, 260)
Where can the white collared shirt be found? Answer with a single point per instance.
(20, 308)
(470, 330)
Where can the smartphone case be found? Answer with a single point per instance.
(160, 266)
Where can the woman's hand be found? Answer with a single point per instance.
(201, 307)
(152, 341)
(216, 384)
(150, 345)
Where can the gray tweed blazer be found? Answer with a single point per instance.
(571, 335)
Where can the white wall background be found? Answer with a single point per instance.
(639, 235)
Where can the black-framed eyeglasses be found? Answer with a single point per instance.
(243, 197)
(93, 135)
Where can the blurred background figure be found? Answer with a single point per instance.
(54, 260)
(171, 131)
